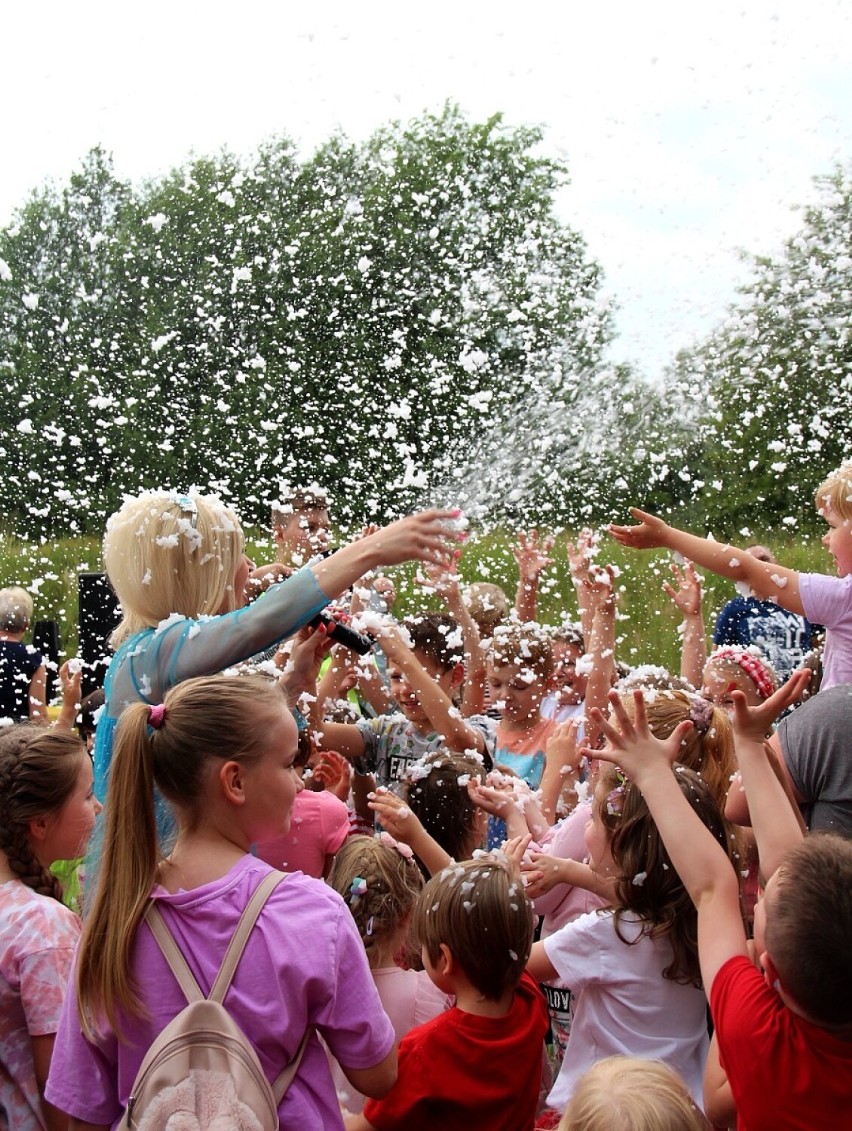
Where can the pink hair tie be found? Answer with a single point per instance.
(157, 715)
(751, 665)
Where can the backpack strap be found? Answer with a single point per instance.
(171, 952)
(240, 937)
(282, 1083)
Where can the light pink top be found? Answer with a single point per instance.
(318, 826)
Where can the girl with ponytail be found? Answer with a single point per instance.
(220, 750)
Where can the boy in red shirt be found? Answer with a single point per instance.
(479, 1064)
(784, 1033)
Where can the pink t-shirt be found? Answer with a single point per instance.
(410, 998)
(304, 964)
(318, 826)
(37, 940)
(828, 601)
(564, 902)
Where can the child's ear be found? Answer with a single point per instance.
(232, 781)
(769, 972)
(457, 675)
(37, 828)
(446, 963)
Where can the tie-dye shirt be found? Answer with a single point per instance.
(37, 940)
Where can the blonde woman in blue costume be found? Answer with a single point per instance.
(178, 566)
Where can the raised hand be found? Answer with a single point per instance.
(396, 817)
(532, 553)
(514, 849)
(754, 723)
(581, 555)
(335, 773)
(687, 596)
(430, 536)
(648, 535)
(630, 743)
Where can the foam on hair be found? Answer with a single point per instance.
(478, 910)
(526, 645)
(809, 925)
(16, 609)
(834, 497)
(436, 792)
(162, 559)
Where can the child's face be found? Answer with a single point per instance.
(271, 782)
(570, 683)
(68, 831)
(718, 681)
(838, 542)
(407, 697)
(516, 692)
(304, 535)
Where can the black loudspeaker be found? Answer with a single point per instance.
(99, 613)
(46, 640)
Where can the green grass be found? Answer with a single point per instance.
(647, 626)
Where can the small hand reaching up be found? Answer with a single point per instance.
(754, 723)
(532, 553)
(687, 596)
(631, 743)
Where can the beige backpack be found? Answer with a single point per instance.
(201, 1073)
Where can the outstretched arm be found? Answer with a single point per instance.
(533, 556)
(767, 580)
(687, 598)
(701, 862)
(775, 821)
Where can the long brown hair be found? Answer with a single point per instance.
(38, 773)
(647, 884)
(220, 718)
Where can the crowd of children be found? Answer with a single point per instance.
(481, 875)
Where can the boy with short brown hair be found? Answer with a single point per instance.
(478, 1065)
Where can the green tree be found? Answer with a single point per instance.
(773, 385)
(392, 319)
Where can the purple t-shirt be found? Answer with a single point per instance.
(304, 963)
(828, 600)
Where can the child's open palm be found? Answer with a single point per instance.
(630, 743)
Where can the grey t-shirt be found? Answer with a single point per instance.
(816, 741)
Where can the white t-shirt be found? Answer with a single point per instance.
(622, 1003)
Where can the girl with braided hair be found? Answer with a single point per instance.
(380, 883)
(47, 813)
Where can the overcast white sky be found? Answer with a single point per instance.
(691, 130)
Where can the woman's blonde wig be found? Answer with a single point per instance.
(167, 553)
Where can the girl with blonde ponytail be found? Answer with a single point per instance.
(221, 751)
(47, 812)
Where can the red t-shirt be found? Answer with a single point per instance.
(460, 1071)
(785, 1073)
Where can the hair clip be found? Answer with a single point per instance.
(188, 506)
(614, 801)
(358, 887)
(701, 714)
(403, 849)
